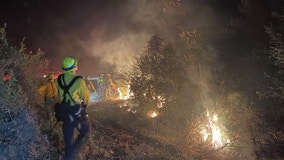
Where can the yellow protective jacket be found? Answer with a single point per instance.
(48, 90)
(79, 90)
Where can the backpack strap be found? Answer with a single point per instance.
(67, 87)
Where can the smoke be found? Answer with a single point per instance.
(105, 38)
(105, 34)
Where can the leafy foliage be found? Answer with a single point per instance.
(159, 74)
(23, 68)
(275, 53)
(11, 95)
(271, 96)
(18, 99)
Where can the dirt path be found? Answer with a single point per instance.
(119, 134)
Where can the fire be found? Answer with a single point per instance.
(216, 136)
(160, 102)
(154, 114)
(205, 135)
(214, 132)
(127, 95)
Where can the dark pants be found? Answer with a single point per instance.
(72, 148)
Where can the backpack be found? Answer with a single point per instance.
(63, 110)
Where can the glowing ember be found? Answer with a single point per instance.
(154, 114)
(161, 102)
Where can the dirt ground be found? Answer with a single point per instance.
(120, 134)
(116, 134)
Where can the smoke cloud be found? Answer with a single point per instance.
(105, 38)
(105, 34)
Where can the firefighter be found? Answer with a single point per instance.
(49, 90)
(109, 87)
(100, 84)
(90, 85)
(78, 97)
(49, 93)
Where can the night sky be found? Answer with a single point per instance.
(102, 34)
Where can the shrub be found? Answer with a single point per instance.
(18, 97)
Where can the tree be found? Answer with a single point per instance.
(271, 96)
(275, 55)
(158, 75)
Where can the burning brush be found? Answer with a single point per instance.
(212, 130)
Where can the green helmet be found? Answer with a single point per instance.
(69, 63)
